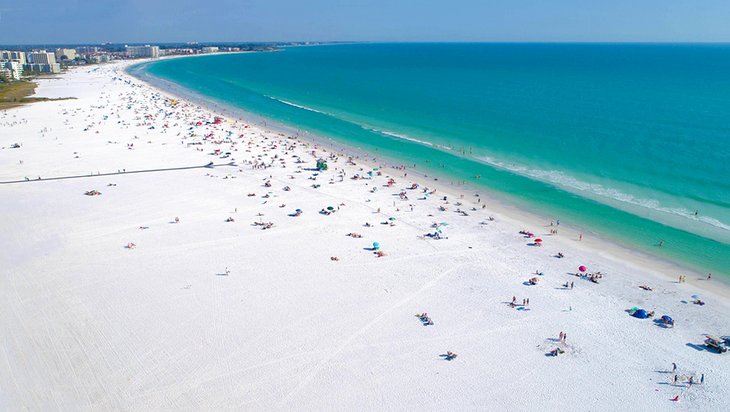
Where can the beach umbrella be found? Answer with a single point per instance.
(538, 240)
(298, 210)
(582, 268)
(376, 245)
(695, 297)
(391, 219)
(330, 208)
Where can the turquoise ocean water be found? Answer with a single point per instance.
(629, 141)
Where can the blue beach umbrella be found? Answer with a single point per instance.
(376, 245)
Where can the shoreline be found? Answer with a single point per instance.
(664, 267)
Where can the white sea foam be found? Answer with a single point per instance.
(598, 191)
(296, 105)
(408, 138)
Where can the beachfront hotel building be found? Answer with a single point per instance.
(11, 69)
(143, 51)
(18, 56)
(42, 57)
(209, 49)
(88, 49)
(42, 68)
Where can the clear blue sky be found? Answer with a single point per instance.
(120, 21)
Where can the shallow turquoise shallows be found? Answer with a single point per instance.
(629, 141)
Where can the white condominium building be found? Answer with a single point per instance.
(13, 69)
(13, 55)
(42, 58)
(143, 51)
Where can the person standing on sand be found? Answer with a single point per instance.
(674, 367)
(709, 276)
(580, 237)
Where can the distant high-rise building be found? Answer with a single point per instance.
(143, 51)
(11, 69)
(42, 62)
(69, 54)
(42, 57)
(13, 55)
(88, 49)
(97, 58)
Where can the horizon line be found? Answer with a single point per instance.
(191, 43)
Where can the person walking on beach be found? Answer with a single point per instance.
(702, 379)
(709, 276)
(675, 380)
(580, 237)
(674, 367)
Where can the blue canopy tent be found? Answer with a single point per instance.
(641, 314)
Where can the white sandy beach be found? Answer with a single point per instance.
(90, 324)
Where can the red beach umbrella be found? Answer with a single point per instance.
(538, 240)
(582, 268)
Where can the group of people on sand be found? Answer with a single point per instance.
(514, 303)
(449, 355)
(593, 277)
(264, 225)
(558, 350)
(425, 319)
(677, 379)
